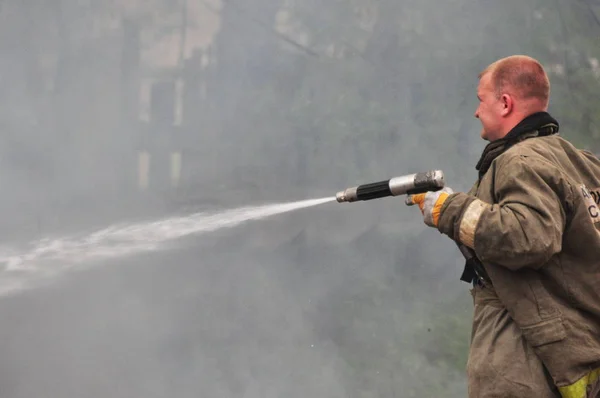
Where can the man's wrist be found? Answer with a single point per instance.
(452, 212)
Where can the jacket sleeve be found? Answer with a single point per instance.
(524, 227)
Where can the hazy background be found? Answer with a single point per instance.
(118, 110)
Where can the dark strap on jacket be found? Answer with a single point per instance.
(474, 269)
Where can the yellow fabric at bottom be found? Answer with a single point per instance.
(578, 389)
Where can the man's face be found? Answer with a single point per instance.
(489, 110)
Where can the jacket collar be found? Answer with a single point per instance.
(536, 125)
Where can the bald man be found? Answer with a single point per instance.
(532, 219)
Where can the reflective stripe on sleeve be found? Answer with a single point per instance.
(469, 221)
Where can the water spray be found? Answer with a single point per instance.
(404, 185)
(40, 261)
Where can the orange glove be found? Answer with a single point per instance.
(430, 204)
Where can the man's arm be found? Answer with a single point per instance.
(525, 227)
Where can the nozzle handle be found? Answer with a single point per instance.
(373, 190)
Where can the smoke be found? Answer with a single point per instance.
(116, 113)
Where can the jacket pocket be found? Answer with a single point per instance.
(549, 342)
(546, 332)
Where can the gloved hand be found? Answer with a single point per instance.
(430, 204)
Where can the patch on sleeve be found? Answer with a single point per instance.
(591, 198)
(469, 222)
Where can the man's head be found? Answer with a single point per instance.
(509, 90)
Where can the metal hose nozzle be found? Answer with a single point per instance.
(409, 184)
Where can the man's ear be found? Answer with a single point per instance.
(507, 104)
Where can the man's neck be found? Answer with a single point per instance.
(515, 120)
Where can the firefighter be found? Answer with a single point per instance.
(532, 219)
